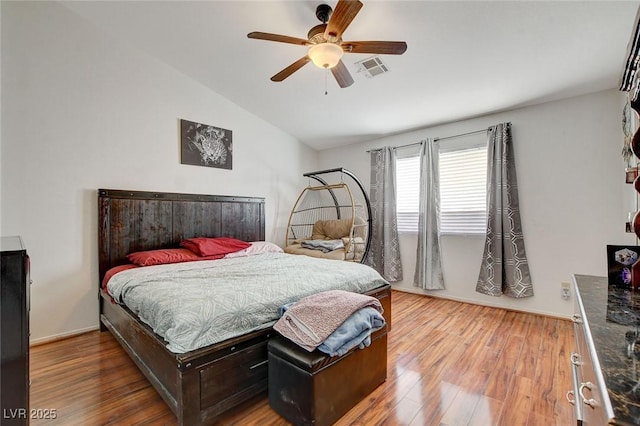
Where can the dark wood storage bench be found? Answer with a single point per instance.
(311, 388)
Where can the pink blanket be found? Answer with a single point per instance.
(312, 319)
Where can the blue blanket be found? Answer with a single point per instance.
(355, 331)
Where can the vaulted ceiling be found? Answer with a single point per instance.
(464, 59)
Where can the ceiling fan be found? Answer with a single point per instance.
(326, 46)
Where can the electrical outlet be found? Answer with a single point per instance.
(566, 290)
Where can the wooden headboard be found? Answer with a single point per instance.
(130, 221)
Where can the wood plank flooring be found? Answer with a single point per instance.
(449, 364)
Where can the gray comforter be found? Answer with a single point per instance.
(195, 304)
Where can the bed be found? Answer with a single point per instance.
(201, 384)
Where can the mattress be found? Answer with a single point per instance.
(196, 304)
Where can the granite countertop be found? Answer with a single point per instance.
(613, 316)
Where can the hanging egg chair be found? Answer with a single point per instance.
(330, 220)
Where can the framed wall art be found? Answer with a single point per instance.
(205, 145)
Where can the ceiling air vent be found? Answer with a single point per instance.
(372, 67)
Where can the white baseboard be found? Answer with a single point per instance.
(49, 339)
(476, 302)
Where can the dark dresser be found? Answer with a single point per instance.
(14, 332)
(606, 358)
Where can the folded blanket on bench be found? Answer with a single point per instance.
(311, 320)
(323, 245)
(355, 331)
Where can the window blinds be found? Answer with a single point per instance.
(463, 178)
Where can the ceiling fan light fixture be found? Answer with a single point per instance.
(325, 55)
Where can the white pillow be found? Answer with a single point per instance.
(257, 247)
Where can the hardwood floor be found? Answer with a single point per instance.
(449, 364)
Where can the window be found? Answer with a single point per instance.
(407, 193)
(463, 179)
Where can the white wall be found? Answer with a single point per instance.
(83, 111)
(573, 198)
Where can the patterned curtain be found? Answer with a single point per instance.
(384, 254)
(504, 268)
(428, 273)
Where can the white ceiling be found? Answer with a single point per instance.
(464, 59)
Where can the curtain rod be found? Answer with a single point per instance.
(435, 139)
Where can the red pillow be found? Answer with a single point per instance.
(163, 256)
(220, 246)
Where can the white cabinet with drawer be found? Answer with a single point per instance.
(605, 380)
(589, 394)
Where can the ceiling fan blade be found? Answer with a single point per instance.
(341, 73)
(277, 37)
(341, 17)
(291, 69)
(382, 47)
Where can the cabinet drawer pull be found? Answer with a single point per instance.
(575, 359)
(571, 397)
(590, 402)
(576, 318)
(258, 364)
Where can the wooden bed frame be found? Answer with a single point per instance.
(199, 385)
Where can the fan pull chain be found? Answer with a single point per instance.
(326, 77)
